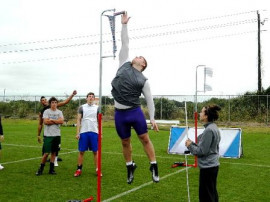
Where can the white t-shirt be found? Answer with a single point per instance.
(52, 130)
(89, 118)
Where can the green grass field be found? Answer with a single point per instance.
(244, 179)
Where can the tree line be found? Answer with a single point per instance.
(247, 107)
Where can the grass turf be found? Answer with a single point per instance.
(244, 179)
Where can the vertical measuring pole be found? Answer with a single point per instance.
(196, 114)
(99, 157)
(196, 136)
(100, 110)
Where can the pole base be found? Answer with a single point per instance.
(177, 164)
(182, 164)
(91, 198)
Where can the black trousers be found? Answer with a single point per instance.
(208, 185)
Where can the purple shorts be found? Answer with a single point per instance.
(88, 141)
(125, 119)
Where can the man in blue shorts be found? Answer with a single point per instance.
(127, 87)
(52, 119)
(87, 131)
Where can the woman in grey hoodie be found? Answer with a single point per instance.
(207, 151)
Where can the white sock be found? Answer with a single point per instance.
(129, 163)
(153, 162)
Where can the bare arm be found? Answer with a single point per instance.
(58, 121)
(40, 126)
(48, 121)
(68, 99)
(124, 52)
(79, 118)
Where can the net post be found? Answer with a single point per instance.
(196, 137)
(99, 157)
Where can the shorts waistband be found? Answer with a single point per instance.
(121, 110)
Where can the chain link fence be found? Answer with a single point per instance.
(235, 108)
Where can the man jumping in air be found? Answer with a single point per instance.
(127, 87)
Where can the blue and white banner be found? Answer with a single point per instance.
(229, 147)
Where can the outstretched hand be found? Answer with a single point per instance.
(125, 18)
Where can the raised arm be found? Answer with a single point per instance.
(40, 126)
(67, 100)
(124, 52)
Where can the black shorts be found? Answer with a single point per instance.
(51, 144)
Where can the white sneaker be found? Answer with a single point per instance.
(1, 167)
(55, 162)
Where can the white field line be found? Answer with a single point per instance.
(20, 145)
(173, 157)
(30, 146)
(10, 162)
(140, 155)
(119, 153)
(141, 186)
(114, 153)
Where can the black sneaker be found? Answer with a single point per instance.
(39, 172)
(59, 159)
(154, 170)
(52, 172)
(130, 171)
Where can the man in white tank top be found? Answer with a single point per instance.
(87, 131)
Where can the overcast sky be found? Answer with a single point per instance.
(52, 47)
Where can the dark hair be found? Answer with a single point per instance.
(42, 97)
(90, 94)
(145, 62)
(212, 112)
(52, 99)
